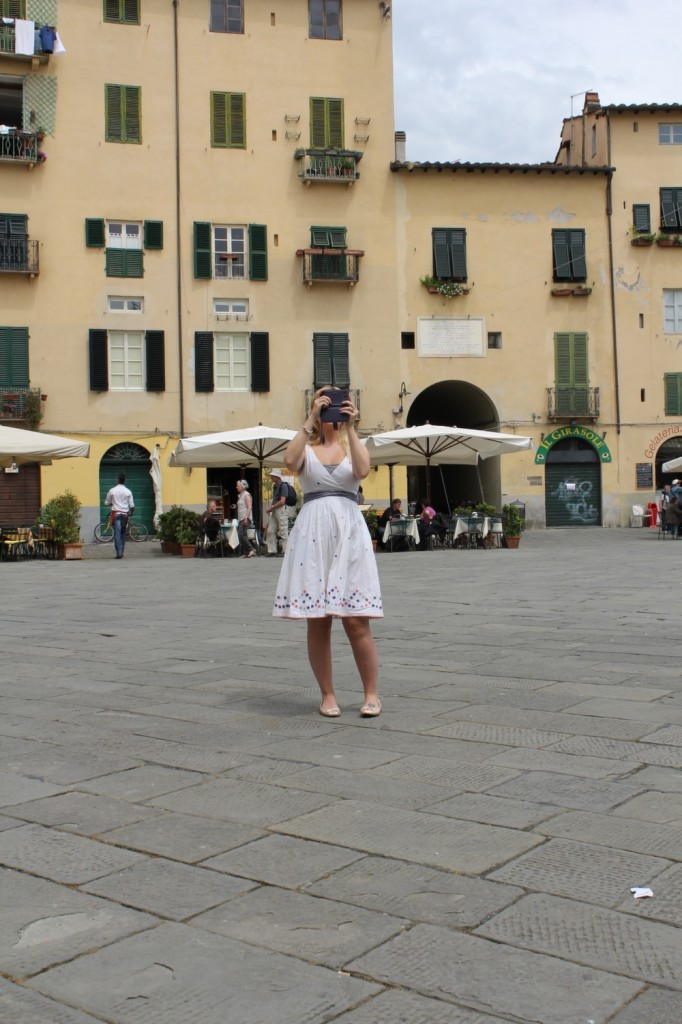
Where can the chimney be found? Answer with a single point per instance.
(400, 146)
(591, 102)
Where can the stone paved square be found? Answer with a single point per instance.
(283, 861)
(183, 837)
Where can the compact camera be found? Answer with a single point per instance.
(333, 414)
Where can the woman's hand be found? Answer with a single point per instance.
(349, 409)
(319, 403)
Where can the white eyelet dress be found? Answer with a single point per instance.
(329, 567)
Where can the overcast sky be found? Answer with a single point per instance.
(491, 80)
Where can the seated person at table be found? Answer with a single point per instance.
(424, 523)
(392, 512)
(209, 524)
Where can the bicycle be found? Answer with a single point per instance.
(104, 532)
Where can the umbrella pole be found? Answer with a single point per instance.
(390, 483)
(445, 490)
(480, 481)
(428, 481)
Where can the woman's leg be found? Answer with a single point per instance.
(359, 633)
(320, 658)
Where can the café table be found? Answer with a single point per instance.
(463, 529)
(228, 530)
(398, 528)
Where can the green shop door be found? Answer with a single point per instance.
(133, 460)
(573, 494)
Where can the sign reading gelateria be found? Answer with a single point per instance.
(584, 433)
(450, 336)
(662, 436)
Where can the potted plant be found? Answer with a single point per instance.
(188, 531)
(438, 286)
(372, 519)
(642, 238)
(561, 290)
(582, 289)
(169, 527)
(62, 514)
(512, 526)
(33, 409)
(664, 241)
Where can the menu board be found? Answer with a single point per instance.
(441, 337)
(645, 476)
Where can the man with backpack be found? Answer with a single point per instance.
(283, 496)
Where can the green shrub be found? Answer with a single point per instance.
(63, 514)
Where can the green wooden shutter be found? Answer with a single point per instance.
(112, 10)
(641, 217)
(341, 367)
(337, 238)
(319, 237)
(219, 118)
(202, 250)
(441, 252)
(94, 233)
(335, 123)
(228, 120)
(668, 209)
(576, 241)
(258, 252)
(260, 361)
(99, 360)
(13, 8)
(122, 11)
(122, 113)
(131, 12)
(153, 234)
(322, 360)
(581, 376)
(326, 123)
(134, 263)
(458, 253)
(318, 134)
(203, 361)
(133, 131)
(124, 263)
(14, 357)
(561, 255)
(237, 120)
(562, 360)
(673, 394)
(113, 113)
(155, 359)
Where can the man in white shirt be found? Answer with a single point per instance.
(123, 506)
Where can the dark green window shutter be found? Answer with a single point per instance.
(134, 263)
(441, 253)
(131, 12)
(571, 360)
(94, 233)
(132, 113)
(13, 8)
(673, 394)
(153, 234)
(328, 238)
(670, 210)
(322, 361)
(449, 253)
(122, 11)
(99, 361)
(14, 357)
(641, 217)
(458, 253)
(122, 113)
(258, 252)
(576, 240)
(124, 263)
(155, 359)
(113, 113)
(203, 361)
(326, 123)
(260, 361)
(318, 138)
(335, 121)
(340, 360)
(228, 120)
(202, 250)
(561, 255)
(562, 360)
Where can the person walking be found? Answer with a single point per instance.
(278, 518)
(329, 569)
(245, 519)
(121, 500)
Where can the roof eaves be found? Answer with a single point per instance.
(495, 168)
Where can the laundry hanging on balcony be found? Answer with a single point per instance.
(24, 36)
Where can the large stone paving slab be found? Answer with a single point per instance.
(621, 833)
(496, 979)
(565, 764)
(551, 721)
(593, 936)
(593, 873)
(182, 837)
(248, 803)
(416, 892)
(656, 1006)
(179, 974)
(45, 924)
(18, 1005)
(63, 767)
(493, 810)
(60, 856)
(441, 772)
(330, 753)
(665, 808)
(565, 791)
(407, 1008)
(353, 786)
(600, 746)
(142, 783)
(15, 789)
(316, 930)
(283, 860)
(440, 842)
(82, 813)
(504, 735)
(666, 903)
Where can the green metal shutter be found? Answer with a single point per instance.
(258, 252)
(99, 360)
(155, 360)
(14, 357)
(641, 217)
(673, 394)
(573, 494)
(260, 361)
(94, 233)
(322, 360)
(561, 255)
(153, 234)
(202, 250)
(203, 361)
(578, 262)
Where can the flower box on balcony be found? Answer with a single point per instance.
(561, 291)
(642, 241)
(665, 243)
(583, 290)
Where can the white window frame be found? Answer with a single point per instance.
(672, 310)
(128, 304)
(123, 234)
(128, 366)
(231, 353)
(231, 309)
(231, 242)
(670, 134)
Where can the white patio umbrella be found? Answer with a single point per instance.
(155, 474)
(17, 447)
(441, 446)
(672, 465)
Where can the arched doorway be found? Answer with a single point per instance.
(455, 403)
(669, 450)
(133, 460)
(572, 484)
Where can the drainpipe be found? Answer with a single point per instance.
(178, 235)
(614, 328)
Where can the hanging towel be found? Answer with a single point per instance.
(24, 36)
(58, 45)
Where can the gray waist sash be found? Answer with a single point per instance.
(313, 495)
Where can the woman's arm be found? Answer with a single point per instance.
(359, 456)
(294, 454)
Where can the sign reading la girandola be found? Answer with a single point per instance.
(584, 433)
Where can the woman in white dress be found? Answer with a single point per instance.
(329, 569)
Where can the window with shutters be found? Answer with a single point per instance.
(326, 122)
(224, 251)
(671, 209)
(13, 358)
(122, 113)
(227, 16)
(229, 251)
(122, 235)
(324, 19)
(449, 253)
(670, 134)
(568, 254)
(13, 8)
(126, 360)
(228, 120)
(330, 360)
(571, 374)
(231, 362)
(125, 304)
(14, 249)
(641, 218)
(124, 256)
(672, 310)
(672, 384)
(122, 12)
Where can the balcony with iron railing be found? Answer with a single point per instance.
(311, 392)
(571, 403)
(331, 166)
(8, 48)
(20, 404)
(331, 266)
(19, 256)
(20, 147)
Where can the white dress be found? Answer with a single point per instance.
(329, 567)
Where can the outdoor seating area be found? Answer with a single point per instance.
(475, 532)
(21, 543)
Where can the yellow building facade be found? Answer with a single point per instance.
(220, 217)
